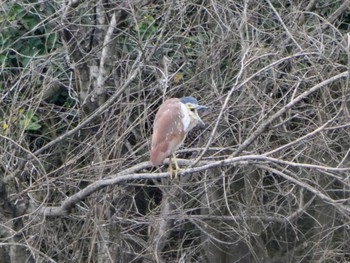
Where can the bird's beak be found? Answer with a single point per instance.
(201, 107)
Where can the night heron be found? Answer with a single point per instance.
(174, 119)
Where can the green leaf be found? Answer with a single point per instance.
(30, 121)
(14, 11)
(34, 126)
(2, 58)
(30, 21)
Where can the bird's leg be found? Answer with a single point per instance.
(173, 173)
(171, 168)
(177, 168)
(176, 164)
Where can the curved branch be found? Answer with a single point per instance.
(131, 174)
(340, 207)
(263, 126)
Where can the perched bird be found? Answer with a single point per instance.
(174, 119)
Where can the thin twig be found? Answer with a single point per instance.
(98, 112)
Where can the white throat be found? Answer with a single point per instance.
(185, 118)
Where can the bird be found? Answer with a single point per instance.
(173, 120)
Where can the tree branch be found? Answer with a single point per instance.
(236, 87)
(263, 126)
(131, 174)
(98, 112)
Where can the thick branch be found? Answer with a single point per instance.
(131, 174)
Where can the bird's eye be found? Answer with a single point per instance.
(190, 107)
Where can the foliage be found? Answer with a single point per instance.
(24, 35)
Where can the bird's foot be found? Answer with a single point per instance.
(173, 173)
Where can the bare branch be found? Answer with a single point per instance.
(97, 113)
(265, 124)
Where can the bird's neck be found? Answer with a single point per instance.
(185, 118)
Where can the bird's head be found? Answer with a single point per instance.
(192, 107)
